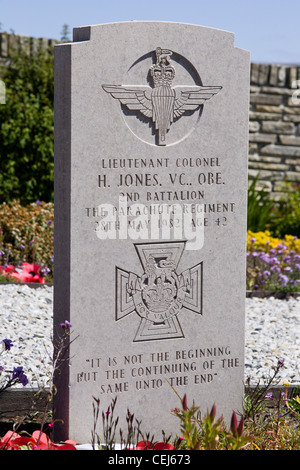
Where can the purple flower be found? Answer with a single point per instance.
(281, 246)
(280, 363)
(288, 269)
(252, 240)
(7, 344)
(66, 325)
(266, 258)
(266, 273)
(283, 279)
(18, 373)
(275, 269)
(269, 395)
(45, 271)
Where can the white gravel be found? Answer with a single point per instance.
(272, 333)
(26, 316)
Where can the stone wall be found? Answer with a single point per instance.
(12, 42)
(274, 127)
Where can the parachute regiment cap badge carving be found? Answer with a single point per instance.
(163, 106)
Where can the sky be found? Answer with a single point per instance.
(269, 29)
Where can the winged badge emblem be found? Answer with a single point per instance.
(162, 103)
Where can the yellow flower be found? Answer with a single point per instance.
(262, 240)
(286, 384)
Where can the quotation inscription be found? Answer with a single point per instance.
(143, 371)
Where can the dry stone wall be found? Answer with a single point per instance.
(274, 126)
(12, 42)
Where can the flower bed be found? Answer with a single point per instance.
(26, 242)
(273, 264)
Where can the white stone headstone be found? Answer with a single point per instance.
(151, 144)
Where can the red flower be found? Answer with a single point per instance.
(8, 268)
(38, 441)
(163, 446)
(147, 445)
(29, 273)
(13, 441)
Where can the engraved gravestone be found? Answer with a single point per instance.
(151, 137)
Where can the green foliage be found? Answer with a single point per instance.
(280, 218)
(209, 433)
(26, 234)
(294, 404)
(27, 128)
(287, 213)
(65, 34)
(260, 207)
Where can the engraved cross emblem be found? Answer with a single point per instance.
(163, 104)
(160, 293)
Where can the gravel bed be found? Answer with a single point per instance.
(26, 314)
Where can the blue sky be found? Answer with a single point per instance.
(269, 29)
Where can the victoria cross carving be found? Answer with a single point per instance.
(162, 103)
(160, 293)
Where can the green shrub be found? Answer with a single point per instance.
(27, 128)
(287, 212)
(280, 218)
(260, 208)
